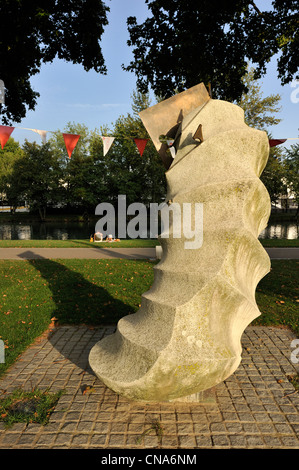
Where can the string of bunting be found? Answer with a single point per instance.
(71, 140)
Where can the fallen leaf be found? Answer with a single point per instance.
(88, 389)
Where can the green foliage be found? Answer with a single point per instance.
(8, 157)
(21, 406)
(140, 178)
(83, 173)
(182, 44)
(273, 175)
(277, 295)
(75, 291)
(32, 33)
(291, 164)
(45, 176)
(36, 177)
(260, 112)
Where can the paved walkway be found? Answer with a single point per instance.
(110, 253)
(257, 407)
(82, 253)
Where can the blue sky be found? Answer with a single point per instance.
(69, 94)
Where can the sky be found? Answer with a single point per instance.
(70, 94)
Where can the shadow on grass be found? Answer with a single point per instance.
(78, 300)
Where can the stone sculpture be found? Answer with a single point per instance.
(186, 336)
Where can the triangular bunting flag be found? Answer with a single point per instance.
(70, 141)
(274, 142)
(43, 134)
(107, 142)
(5, 132)
(141, 143)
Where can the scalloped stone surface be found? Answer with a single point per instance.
(186, 336)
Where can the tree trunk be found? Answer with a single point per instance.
(42, 213)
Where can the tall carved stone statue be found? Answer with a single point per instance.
(186, 336)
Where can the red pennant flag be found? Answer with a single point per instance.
(141, 143)
(5, 132)
(273, 142)
(70, 141)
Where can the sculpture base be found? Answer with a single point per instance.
(205, 397)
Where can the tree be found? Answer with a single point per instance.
(291, 163)
(32, 33)
(140, 178)
(8, 156)
(36, 177)
(184, 43)
(273, 175)
(261, 113)
(83, 173)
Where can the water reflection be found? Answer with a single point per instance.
(45, 231)
(281, 230)
(79, 231)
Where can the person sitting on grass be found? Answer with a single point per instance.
(98, 237)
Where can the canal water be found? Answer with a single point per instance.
(79, 231)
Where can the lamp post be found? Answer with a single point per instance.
(2, 92)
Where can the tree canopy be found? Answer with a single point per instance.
(32, 33)
(259, 111)
(291, 163)
(184, 43)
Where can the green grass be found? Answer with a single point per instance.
(98, 292)
(294, 379)
(74, 291)
(277, 295)
(135, 243)
(34, 406)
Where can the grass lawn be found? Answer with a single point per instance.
(102, 291)
(139, 243)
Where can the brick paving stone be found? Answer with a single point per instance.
(237, 440)
(234, 427)
(255, 441)
(187, 441)
(204, 441)
(171, 442)
(272, 441)
(201, 428)
(184, 428)
(290, 441)
(252, 408)
(220, 440)
(78, 441)
(46, 440)
(98, 440)
(9, 440)
(151, 442)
